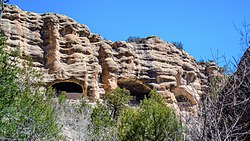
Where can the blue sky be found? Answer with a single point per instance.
(203, 26)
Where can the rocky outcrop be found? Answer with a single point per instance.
(67, 51)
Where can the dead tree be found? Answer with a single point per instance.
(224, 112)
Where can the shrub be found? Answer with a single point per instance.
(135, 39)
(152, 120)
(74, 117)
(222, 110)
(25, 114)
(178, 45)
(116, 101)
(105, 115)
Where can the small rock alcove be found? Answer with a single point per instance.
(184, 96)
(183, 101)
(137, 90)
(73, 90)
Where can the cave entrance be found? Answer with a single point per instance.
(137, 90)
(73, 90)
(183, 101)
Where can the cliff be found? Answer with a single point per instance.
(67, 51)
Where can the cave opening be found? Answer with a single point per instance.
(183, 101)
(73, 90)
(137, 90)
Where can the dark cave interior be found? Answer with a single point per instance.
(137, 90)
(73, 90)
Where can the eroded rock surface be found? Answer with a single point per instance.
(67, 51)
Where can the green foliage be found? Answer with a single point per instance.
(135, 39)
(152, 121)
(102, 123)
(25, 114)
(116, 101)
(62, 97)
(105, 114)
(178, 45)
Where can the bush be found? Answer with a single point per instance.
(222, 110)
(135, 39)
(153, 120)
(74, 117)
(25, 114)
(105, 115)
(178, 45)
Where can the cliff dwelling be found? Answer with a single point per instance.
(183, 101)
(137, 90)
(73, 90)
(66, 50)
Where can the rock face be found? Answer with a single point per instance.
(67, 52)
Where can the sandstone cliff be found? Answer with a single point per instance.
(67, 51)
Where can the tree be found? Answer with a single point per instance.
(222, 112)
(26, 109)
(105, 114)
(178, 45)
(244, 34)
(153, 121)
(116, 101)
(224, 108)
(136, 39)
(74, 117)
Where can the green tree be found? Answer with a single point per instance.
(153, 121)
(103, 125)
(26, 108)
(105, 114)
(116, 101)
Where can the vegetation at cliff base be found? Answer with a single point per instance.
(151, 120)
(26, 111)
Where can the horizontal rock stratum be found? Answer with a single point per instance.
(69, 55)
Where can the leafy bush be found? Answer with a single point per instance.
(25, 114)
(135, 39)
(116, 101)
(178, 45)
(105, 115)
(153, 120)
